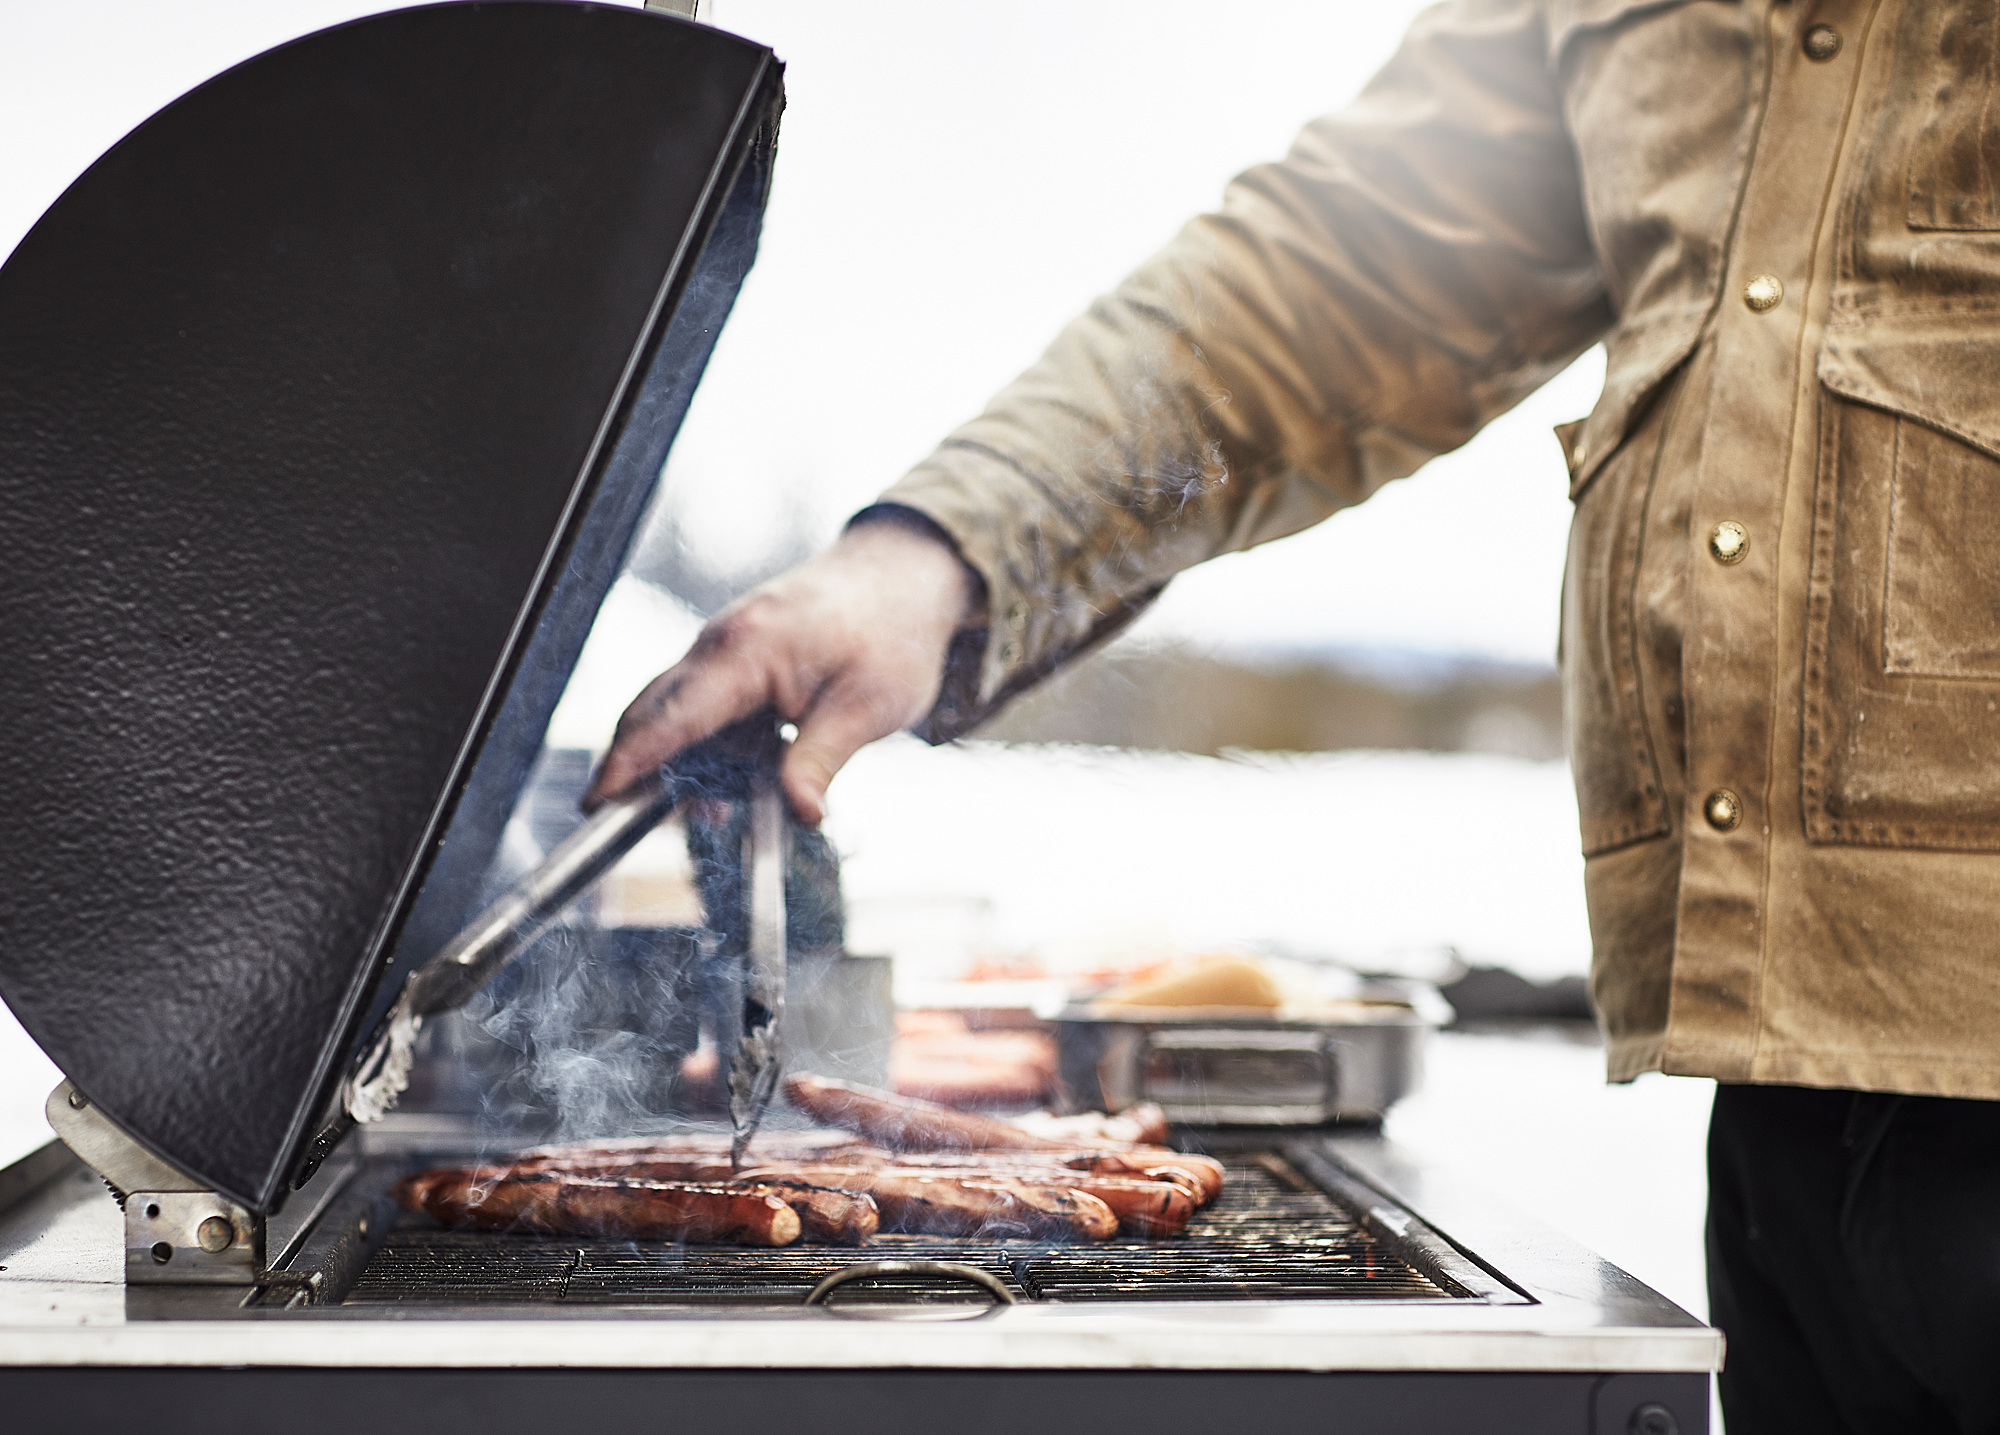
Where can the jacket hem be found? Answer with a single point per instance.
(1926, 1075)
(1627, 1058)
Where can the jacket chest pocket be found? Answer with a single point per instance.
(1902, 680)
(1954, 170)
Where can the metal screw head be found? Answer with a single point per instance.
(215, 1234)
(1764, 293)
(77, 1101)
(1653, 1420)
(1822, 43)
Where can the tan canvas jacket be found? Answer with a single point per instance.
(1783, 596)
(1781, 631)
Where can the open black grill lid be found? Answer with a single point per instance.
(329, 401)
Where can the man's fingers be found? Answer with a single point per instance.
(697, 696)
(839, 725)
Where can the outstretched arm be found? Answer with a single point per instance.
(1415, 266)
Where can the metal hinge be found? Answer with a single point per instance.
(176, 1231)
(686, 9)
(191, 1238)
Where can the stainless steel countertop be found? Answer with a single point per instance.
(63, 1303)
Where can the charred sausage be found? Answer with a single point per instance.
(1202, 1176)
(903, 1123)
(563, 1203)
(995, 1204)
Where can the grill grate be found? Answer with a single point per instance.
(1271, 1235)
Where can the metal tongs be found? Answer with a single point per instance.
(738, 764)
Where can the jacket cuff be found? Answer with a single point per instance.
(1023, 639)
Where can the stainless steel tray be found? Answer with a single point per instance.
(1222, 1066)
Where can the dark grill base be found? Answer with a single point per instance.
(1271, 1235)
(90, 1400)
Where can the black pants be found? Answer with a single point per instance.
(1854, 1260)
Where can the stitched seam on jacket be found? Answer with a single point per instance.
(1819, 618)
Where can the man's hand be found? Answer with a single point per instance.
(850, 646)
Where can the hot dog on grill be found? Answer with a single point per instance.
(1201, 1176)
(944, 1203)
(840, 1218)
(902, 1123)
(562, 1203)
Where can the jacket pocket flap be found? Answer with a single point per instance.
(1639, 359)
(1935, 367)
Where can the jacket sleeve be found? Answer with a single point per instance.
(1415, 266)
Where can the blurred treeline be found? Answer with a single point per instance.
(1175, 698)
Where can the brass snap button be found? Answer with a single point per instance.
(1729, 542)
(1763, 293)
(1822, 43)
(1723, 810)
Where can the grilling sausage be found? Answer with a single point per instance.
(989, 1203)
(561, 1203)
(1066, 1168)
(1201, 1176)
(838, 1218)
(1205, 1171)
(903, 1123)
(1143, 1208)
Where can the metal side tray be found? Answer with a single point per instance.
(1333, 1274)
(1231, 1067)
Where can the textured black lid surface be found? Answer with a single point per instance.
(328, 400)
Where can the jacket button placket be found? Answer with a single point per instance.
(1730, 660)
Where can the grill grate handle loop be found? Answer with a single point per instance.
(951, 1270)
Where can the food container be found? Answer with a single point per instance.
(1347, 1060)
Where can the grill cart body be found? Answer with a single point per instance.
(1336, 1285)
